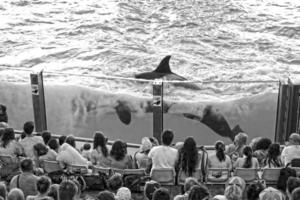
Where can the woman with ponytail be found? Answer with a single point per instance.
(247, 161)
(219, 159)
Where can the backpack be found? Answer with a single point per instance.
(285, 173)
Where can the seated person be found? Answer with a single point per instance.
(53, 145)
(99, 155)
(291, 151)
(119, 157)
(235, 150)
(189, 183)
(46, 135)
(273, 159)
(43, 186)
(67, 190)
(261, 151)
(86, 151)
(41, 153)
(248, 161)
(141, 156)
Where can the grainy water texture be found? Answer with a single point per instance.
(209, 40)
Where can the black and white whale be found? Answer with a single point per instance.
(163, 71)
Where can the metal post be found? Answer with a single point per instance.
(158, 109)
(38, 100)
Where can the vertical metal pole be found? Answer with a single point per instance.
(158, 114)
(38, 100)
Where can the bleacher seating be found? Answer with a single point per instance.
(270, 176)
(248, 174)
(182, 176)
(164, 176)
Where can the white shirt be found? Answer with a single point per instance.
(163, 157)
(28, 142)
(289, 153)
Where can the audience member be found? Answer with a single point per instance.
(291, 151)
(261, 150)
(71, 141)
(26, 181)
(248, 161)
(271, 194)
(99, 155)
(30, 140)
(199, 192)
(161, 194)
(115, 182)
(67, 190)
(233, 192)
(46, 135)
(273, 159)
(189, 183)
(53, 191)
(150, 188)
(86, 151)
(119, 157)
(188, 158)
(53, 145)
(253, 143)
(292, 183)
(219, 159)
(43, 186)
(9, 146)
(105, 195)
(41, 153)
(235, 180)
(163, 156)
(3, 191)
(295, 194)
(62, 139)
(141, 156)
(235, 150)
(254, 190)
(15, 194)
(123, 193)
(154, 141)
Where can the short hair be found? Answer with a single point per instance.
(62, 139)
(43, 184)
(53, 191)
(26, 165)
(233, 192)
(161, 194)
(87, 146)
(253, 190)
(296, 194)
(28, 127)
(115, 182)
(3, 190)
(53, 144)
(167, 137)
(105, 195)
(71, 141)
(198, 192)
(150, 188)
(15, 194)
(67, 190)
(189, 183)
(295, 137)
(41, 149)
(46, 135)
(241, 138)
(292, 183)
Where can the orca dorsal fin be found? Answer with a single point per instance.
(164, 66)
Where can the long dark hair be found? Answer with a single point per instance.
(247, 151)
(188, 156)
(273, 154)
(8, 135)
(118, 150)
(220, 148)
(100, 140)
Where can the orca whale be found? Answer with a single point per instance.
(163, 71)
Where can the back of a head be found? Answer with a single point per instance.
(167, 137)
(150, 188)
(220, 149)
(40, 149)
(161, 194)
(62, 139)
(263, 144)
(233, 192)
(236, 180)
(28, 127)
(53, 144)
(292, 183)
(46, 135)
(253, 190)
(53, 191)
(271, 194)
(199, 192)
(67, 190)
(3, 191)
(43, 184)
(123, 193)
(27, 165)
(295, 138)
(15, 194)
(247, 151)
(105, 195)
(296, 194)
(241, 139)
(115, 182)
(71, 141)
(189, 183)
(86, 146)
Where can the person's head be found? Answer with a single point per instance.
(8, 135)
(150, 188)
(247, 151)
(115, 182)
(105, 195)
(123, 193)
(15, 194)
(62, 139)
(199, 192)
(167, 137)
(27, 165)
(154, 141)
(263, 144)
(273, 154)
(3, 190)
(53, 144)
(254, 190)
(294, 139)
(71, 141)
(100, 142)
(296, 194)
(271, 194)
(240, 139)
(233, 192)
(43, 184)
(53, 191)
(118, 151)
(28, 127)
(46, 135)
(40, 149)
(235, 180)
(220, 149)
(67, 190)
(253, 143)
(86, 146)
(146, 145)
(189, 183)
(189, 156)
(291, 184)
(161, 194)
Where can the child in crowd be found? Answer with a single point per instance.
(86, 151)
